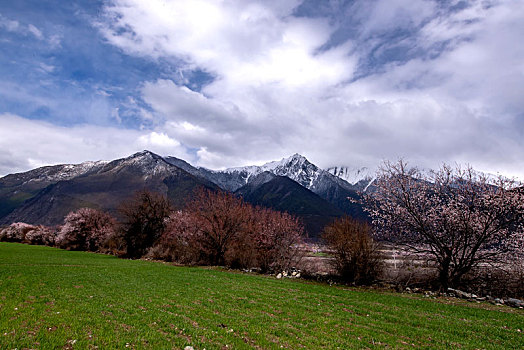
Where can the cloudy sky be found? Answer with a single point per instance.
(229, 83)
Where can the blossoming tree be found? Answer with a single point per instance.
(459, 218)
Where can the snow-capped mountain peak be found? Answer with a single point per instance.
(146, 162)
(296, 167)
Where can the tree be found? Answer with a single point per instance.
(144, 221)
(356, 255)
(276, 238)
(85, 229)
(41, 235)
(180, 241)
(457, 217)
(16, 232)
(221, 218)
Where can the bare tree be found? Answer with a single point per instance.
(220, 229)
(356, 255)
(457, 217)
(144, 221)
(221, 218)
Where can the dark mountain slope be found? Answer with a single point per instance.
(283, 194)
(17, 188)
(107, 188)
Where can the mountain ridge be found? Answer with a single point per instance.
(44, 195)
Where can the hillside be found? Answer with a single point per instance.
(89, 300)
(284, 194)
(106, 188)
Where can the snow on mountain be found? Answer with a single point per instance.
(361, 178)
(148, 163)
(55, 173)
(296, 167)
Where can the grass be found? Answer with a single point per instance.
(52, 298)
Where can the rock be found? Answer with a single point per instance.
(297, 275)
(461, 294)
(279, 276)
(294, 274)
(284, 273)
(499, 301)
(514, 302)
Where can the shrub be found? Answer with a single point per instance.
(85, 229)
(356, 255)
(41, 235)
(15, 232)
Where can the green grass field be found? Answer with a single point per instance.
(52, 298)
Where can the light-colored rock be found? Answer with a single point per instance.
(514, 302)
(461, 294)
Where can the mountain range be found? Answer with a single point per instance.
(295, 185)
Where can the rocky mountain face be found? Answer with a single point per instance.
(295, 185)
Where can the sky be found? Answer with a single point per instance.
(231, 83)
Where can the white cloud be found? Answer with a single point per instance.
(35, 31)
(16, 27)
(456, 98)
(8, 24)
(39, 143)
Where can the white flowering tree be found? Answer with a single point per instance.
(457, 217)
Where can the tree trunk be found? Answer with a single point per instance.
(444, 274)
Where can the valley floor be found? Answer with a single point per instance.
(51, 298)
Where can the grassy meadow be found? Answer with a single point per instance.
(51, 298)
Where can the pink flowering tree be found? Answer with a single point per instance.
(85, 229)
(460, 219)
(16, 232)
(180, 240)
(41, 235)
(221, 218)
(276, 238)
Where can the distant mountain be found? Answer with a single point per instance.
(229, 181)
(295, 185)
(360, 178)
(17, 188)
(104, 186)
(332, 188)
(283, 194)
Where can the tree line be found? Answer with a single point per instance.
(215, 228)
(458, 220)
